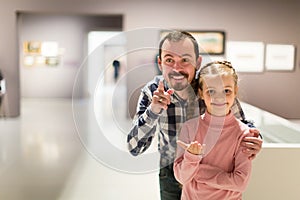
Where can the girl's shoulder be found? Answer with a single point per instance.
(243, 128)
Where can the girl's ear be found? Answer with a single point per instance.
(236, 89)
(200, 93)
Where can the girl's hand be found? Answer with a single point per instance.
(194, 147)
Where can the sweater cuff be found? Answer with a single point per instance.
(192, 157)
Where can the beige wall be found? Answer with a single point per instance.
(266, 21)
(275, 174)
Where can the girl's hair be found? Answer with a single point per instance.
(217, 68)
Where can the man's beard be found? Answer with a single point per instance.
(181, 85)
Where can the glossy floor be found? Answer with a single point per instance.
(44, 154)
(43, 158)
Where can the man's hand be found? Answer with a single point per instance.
(161, 99)
(194, 147)
(253, 143)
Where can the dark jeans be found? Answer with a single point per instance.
(170, 189)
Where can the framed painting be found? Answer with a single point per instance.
(32, 47)
(246, 56)
(211, 42)
(280, 57)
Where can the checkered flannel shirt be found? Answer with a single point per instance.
(167, 123)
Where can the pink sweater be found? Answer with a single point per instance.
(224, 170)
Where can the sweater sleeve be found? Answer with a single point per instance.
(186, 164)
(236, 180)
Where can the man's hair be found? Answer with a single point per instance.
(176, 36)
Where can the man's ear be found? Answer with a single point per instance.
(159, 63)
(198, 63)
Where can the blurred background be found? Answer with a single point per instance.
(61, 102)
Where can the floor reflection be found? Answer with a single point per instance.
(42, 157)
(38, 150)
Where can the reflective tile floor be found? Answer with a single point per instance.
(43, 158)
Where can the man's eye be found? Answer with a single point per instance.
(169, 60)
(185, 60)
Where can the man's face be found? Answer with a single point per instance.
(178, 63)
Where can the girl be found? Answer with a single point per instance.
(217, 169)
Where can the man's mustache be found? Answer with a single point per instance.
(179, 74)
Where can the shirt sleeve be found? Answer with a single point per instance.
(236, 180)
(144, 125)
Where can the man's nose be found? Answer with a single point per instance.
(177, 65)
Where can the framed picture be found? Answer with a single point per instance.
(28, 60)
(32, 47)
(52, 61)
(210, 42)
(280, 57)
(246, 56)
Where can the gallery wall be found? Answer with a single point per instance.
(50, 81)
(269, 22)
(70, 32)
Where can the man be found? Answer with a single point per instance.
(167, 102)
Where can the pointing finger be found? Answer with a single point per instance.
(161, 87)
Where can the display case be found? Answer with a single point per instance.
(273, 128)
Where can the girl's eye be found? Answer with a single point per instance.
(211, 92)
(227, 91)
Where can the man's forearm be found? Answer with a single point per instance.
(140, 136)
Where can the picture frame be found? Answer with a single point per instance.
(52, 61)
(246, 56)
(280, 57)
(32, 47)
(42, 54)
(211, 42)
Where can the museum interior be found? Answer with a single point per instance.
(66, 107)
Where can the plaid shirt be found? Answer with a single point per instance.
(167, 123)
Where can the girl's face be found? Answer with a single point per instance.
(218, 94)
